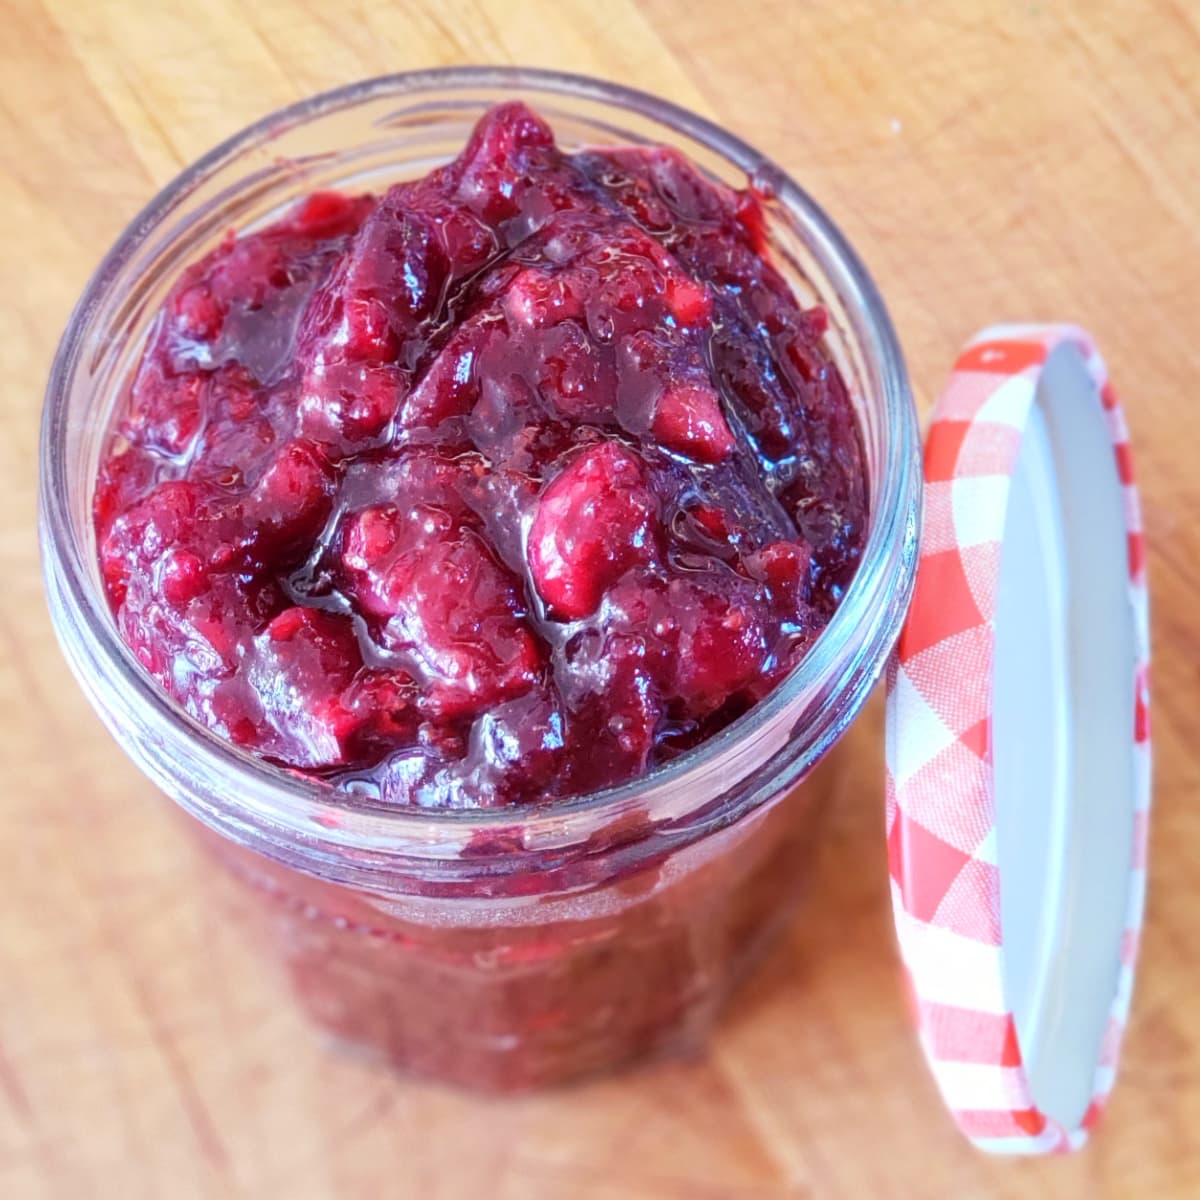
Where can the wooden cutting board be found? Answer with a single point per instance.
(1019, 160)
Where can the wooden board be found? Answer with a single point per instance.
(1019, 160)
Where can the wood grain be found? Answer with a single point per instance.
(1024, 160)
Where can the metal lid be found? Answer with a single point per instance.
(1018, 742)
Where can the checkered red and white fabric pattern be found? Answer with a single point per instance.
(941, 807)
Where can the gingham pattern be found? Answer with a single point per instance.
(941, 808)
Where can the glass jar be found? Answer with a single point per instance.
(500, 948)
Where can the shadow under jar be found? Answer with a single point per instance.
(513, 947)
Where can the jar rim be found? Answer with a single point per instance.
(310, 813)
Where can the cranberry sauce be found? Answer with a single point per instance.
(509, 484)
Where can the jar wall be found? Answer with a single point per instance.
(507, 994)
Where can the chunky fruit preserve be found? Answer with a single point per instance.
(455, 506)
(512, 483)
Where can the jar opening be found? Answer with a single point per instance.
(369, 134)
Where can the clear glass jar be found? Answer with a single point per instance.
(496, 948)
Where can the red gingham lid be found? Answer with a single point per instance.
(1018, 744)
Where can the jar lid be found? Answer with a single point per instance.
(1018, 745)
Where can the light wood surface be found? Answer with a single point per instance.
(1016, 160)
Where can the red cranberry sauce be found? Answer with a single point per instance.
(510, 484)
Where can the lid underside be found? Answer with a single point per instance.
(1063, 709)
